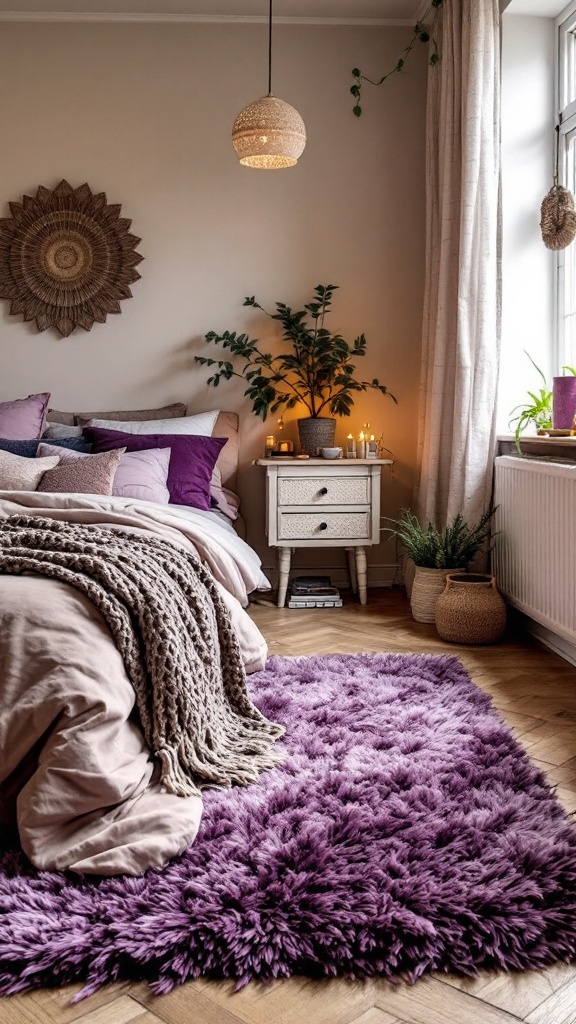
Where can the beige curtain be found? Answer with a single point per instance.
(460, 349)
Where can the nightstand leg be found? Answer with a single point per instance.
(352, 569)
(362, 574)
(284, 555)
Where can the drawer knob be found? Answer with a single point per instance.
(323, 526)
(323, 490)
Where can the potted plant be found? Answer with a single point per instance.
(537, 411)
(318, 372)
(436, 553)
(548, 408)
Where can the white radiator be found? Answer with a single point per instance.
(534, 559)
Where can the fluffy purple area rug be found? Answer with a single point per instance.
(405, 832)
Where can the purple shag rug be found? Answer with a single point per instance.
(405, 832)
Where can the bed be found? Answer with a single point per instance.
(78, 784)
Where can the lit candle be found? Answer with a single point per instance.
(350, 447)
(269, 445)
(362, 445)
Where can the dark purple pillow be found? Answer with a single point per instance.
(191, 463)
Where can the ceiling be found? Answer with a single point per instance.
(371, 11)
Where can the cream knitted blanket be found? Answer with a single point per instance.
(174, 634)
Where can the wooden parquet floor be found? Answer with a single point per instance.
(535, 692)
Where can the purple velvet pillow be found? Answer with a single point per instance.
(191, 463)
(24, 418)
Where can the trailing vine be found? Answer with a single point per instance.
(423, 33)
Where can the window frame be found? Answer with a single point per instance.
(566, 119)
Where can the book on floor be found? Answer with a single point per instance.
(311, 585)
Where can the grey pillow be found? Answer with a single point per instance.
(79, 418)
(57, 430)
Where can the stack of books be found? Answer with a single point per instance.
(313, 592)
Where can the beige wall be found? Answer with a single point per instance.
(143, 113)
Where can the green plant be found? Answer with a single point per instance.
(422, 33)
(451, 548)
(539, 409)
(318, 372)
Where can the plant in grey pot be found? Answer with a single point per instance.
(317, 372)
(438, 552)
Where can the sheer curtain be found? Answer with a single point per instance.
(461, 326)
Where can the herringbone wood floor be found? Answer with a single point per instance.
(536, 693)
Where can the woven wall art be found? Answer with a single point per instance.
(67, 258)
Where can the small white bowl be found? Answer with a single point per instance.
(331, 453)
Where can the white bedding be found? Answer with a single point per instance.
(75, 774)
(232, 562)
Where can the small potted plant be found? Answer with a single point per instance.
(537, 411)
(318, 372)
(436, 553)
(549, 408)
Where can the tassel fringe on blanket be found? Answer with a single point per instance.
(172, 629)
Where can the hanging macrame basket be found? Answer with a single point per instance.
(558, 218)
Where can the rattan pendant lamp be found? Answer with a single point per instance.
(269, 133)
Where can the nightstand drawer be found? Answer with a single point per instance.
(329, 490)
(323, 525)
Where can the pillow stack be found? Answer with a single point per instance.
(193, 451)
(124, 474)
(152, 455)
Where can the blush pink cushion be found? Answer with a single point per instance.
(24, 418)
(221, 497)
(82, 474)
(139, 474)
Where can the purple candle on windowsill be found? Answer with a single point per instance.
(563, 402)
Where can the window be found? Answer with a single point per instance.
(567, 177)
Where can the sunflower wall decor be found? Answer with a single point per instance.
(66, 258)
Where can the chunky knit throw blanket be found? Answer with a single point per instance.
(175, 637)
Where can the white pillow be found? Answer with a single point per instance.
(18, 473)
(201, 423)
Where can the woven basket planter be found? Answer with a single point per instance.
(315, 433)
(470, 610)
(426, 589)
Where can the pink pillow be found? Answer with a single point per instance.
(77, 476)
(140, 474)
(222, 498)
(191, 463)
(24, 418)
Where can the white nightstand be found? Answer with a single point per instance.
(323, 503)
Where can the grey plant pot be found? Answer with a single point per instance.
(315, 433)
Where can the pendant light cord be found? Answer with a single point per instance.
(270, 50)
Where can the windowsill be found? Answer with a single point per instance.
(561, 449)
